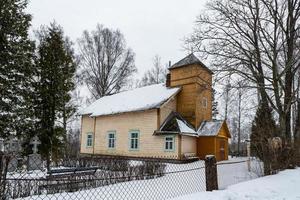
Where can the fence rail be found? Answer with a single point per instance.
(109, 178)
(99, 178)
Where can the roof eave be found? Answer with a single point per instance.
(165, 132)
(174, 133)
(117, 113)
(203, 65)
(189, 134)
(207, 135)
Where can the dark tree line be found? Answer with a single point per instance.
(35, 82)
(16, 69)
(38, 78)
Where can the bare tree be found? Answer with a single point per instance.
(256, 40)
(73, 141)
(227, 100)
(155, 75)
(241, 91)
(106, 61)
(296, 112)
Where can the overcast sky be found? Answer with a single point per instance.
(150, 27)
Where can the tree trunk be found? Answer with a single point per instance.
(239, 120)
(297, 123)
(48, 162)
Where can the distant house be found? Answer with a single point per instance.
(172, 120)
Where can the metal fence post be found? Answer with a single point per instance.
(248, 155)
(211, 173)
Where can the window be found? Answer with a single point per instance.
(169, 143)
(89, 140)
(204, 102)
(134, 140)
(111, 140)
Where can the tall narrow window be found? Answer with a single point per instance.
(204, 102)
(111, 140)
(134, 140)
(89, 140)
(169, 143)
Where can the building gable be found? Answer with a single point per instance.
(224, 131)
(214, 128)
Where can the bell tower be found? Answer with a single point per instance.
(194, 102)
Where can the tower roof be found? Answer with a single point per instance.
(189, 60)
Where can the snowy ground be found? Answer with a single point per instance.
(229, 174)
(282, 186)
(181, 179)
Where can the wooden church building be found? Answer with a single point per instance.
(171, 120)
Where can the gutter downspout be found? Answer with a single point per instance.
(94, 137)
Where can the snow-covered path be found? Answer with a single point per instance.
(282, 186)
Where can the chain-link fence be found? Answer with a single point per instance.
(99, 178)
(103, 177)
(238, 169)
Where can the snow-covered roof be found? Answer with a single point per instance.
(184, 127)
(176, 124)
(210, 128)
(189, 60)
(139, 99)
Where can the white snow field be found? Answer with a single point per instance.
(189, 180)
(282, 186)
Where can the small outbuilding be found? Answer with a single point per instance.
(213, 139)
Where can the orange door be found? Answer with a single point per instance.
(222, 149)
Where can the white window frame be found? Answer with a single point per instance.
(134, 142)
(169, 144)
(89, 140)
(111, 142)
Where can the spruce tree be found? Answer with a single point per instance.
(56, 69)
(16, 70)
(263, 129)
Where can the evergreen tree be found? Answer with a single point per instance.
(263, 129)
(56, 68)
(16, 69)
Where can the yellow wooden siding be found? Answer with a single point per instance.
(218, 148)
(206, 146)
(145, 122)
(166, 109)
(87, 126)
(188, 144)
(203, 113)
(196, 83)
(211, 145)
(186, 72)
(186, 102)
